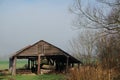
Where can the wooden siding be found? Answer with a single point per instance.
(33, 50)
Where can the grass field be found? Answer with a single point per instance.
(34, 77)
(5, 64)
(20, 64)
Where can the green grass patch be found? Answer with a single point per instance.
(19, 64)
(4, 65)
(35, 77)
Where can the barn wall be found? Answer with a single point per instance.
(42, 46)
(32, 51)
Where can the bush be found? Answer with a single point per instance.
(93, 73)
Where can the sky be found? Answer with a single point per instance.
(24, 22)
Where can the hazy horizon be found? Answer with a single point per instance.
(24, 22)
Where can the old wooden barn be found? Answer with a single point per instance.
(39, 53)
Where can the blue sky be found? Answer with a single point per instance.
(24, 22)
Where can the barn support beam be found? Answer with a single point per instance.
(38, 68)
(32, 63)
(67, 63)
(10, 64)
(14, 66)
(28, 63)
(78, 65)
(50, 61)
(56, 64)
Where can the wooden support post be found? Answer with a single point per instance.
(38, 68)
(78, 65)
(28, 63)
(10, 64)
(56, 65)
(67, 63)
(53, 62)
(32, 63)
(14, 66)
(40, 52)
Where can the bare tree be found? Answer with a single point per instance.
(83, 46)
(104, 15)
(109, 51)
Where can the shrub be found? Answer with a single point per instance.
(93, 73)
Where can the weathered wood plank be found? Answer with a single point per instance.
(38, 68)
(14, 66)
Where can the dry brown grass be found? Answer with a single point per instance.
(93, 73)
